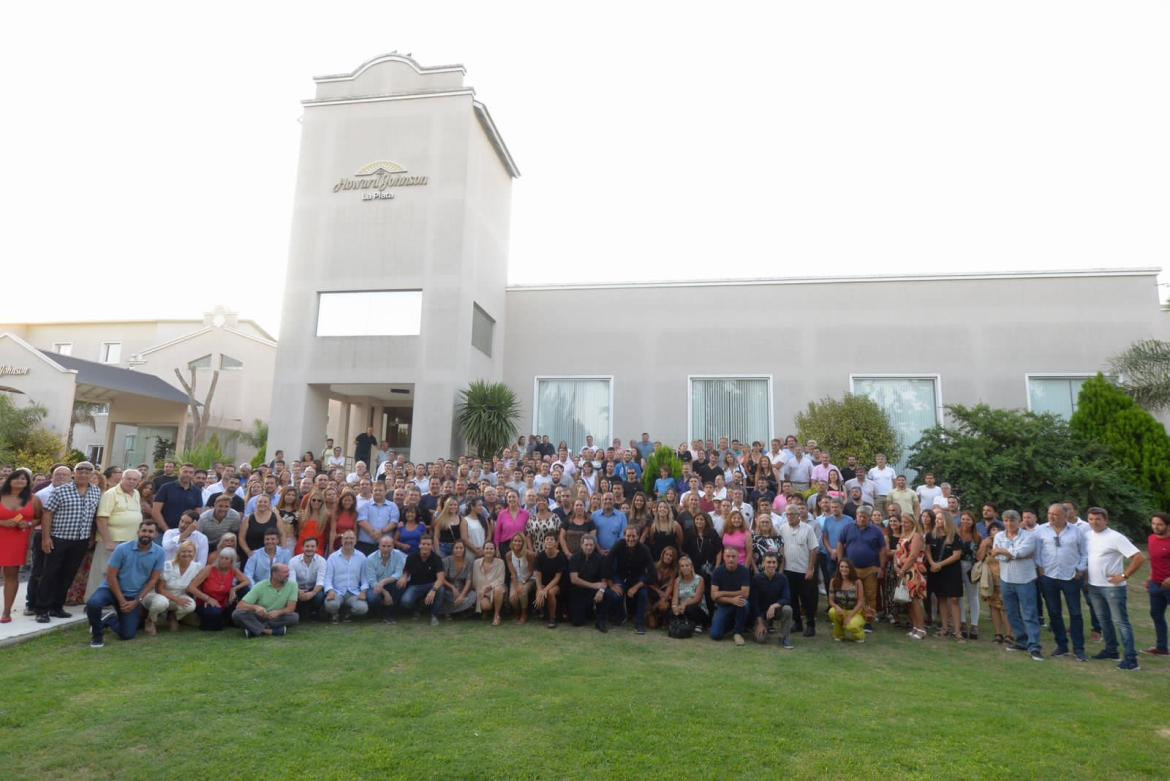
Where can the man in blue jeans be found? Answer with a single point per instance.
(1108, 573)
(1062, 559)
(630, 571)
(730, 591)
(1015, 548)
(133, 569)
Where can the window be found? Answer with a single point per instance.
(111, 352)
(228, 362)
(912, 402)
(370, 313)
(570, 408)
(200, 363)
(95, 454)
(482, 330)
(63, 348)
(733, 407)
(1055, 394)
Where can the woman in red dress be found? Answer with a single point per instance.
(345, 519)
(18, 511)
(315, 522)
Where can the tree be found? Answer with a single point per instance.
(662, 457)
(23, 440)
(200, 413)
(1106, 414)
(82, 415)
(486, 414)
(1144, 371)
(257, 438)
(852, 426)
(1025, 461)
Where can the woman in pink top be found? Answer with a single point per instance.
(736, 535)
(510, 522)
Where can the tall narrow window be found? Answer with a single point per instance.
(912, 402)
(733, 407)
(482, 330)
(1056, 395)
(570, 408)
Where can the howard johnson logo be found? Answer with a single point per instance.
(377, 179)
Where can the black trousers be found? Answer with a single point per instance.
(57, 573)
(582, 608)
(34, 578)
(803, 593)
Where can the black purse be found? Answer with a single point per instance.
(680, 627)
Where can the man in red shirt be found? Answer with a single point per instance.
(1159, 583)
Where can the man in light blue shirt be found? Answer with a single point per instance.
(131, 573)
(832, 526)
(1062, 559)
(383, 569)
(345, 581)
(374, 518)
(259, 565)
(1015, 548)
(611, 524)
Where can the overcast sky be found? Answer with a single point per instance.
(150, 155)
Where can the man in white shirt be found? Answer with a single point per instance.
(1108, 573)
(219, 486)
(928, 492)
(188, 530)
(776, 456)
(868, 494)
(309, 571)
(336, 459)
(800, 568)
(882, 476)
(798, 470)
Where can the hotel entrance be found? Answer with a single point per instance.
(353, 407)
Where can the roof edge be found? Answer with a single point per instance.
(391, 57)
(935, 277)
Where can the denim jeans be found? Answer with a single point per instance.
(1109, 602)
(618, 603)
(1019, 602)
(377, 601)
(1159, 599)
(413, 596)
(1053, 590)
(728, 614)
(125, 625)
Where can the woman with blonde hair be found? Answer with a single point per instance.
(910, 567)
(663, 532)
(446, 527)
(170, 597)
(666, 573)
(687, 594)
(315, 523)
(945, 582)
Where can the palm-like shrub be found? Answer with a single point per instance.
(1144, 371)
(662, 457)
(486, 413)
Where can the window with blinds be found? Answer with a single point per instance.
(733, 407)
(570, 408)
(912, 404)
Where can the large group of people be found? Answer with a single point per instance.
(752, 541)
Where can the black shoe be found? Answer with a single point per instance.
(42, 618)
(280, 631)
(1114, 655)
(797, 627)
(810, 631)
(1036, 656)
(1129, 665)
(601, 627)
(59, 613)
(1060, 652)
(28, 611)
(869, 629)
(1014, 647)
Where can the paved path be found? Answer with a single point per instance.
(23, 627)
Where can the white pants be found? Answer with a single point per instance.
(357, 607)
(969, 604)
(157, 606)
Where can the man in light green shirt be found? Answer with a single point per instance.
(270, 607)
(902, 496)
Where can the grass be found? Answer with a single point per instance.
(466, 700)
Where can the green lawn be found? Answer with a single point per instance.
(466, 700)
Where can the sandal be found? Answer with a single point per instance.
(6, 620)
(999, 639)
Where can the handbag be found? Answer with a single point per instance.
(902, 593)
(680, 627)
(976, 574)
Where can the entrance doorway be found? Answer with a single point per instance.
(388, 408)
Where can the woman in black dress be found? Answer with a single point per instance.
(944, 581)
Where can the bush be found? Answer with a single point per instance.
(1106, 414)
(40, 450)
(1025, 461)
(852, 426)
(206, 455)
(661, 457)
(17, 425)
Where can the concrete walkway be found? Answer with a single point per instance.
(24, 627)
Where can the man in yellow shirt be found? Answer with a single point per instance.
(118, 516)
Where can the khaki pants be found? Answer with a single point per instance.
(869, 580)
(157, 606)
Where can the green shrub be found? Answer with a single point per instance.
(1025, 461)
(40, 449)
(1106, 414)
(206, 455)
(851, 426)
(486, 415)
(661, 457)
